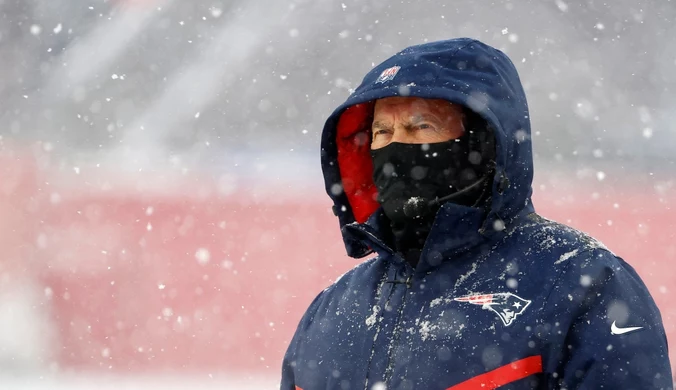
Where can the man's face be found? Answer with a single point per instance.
(413, 120)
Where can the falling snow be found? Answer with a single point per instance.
(162, 193)
(203, 256)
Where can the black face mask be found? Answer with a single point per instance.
(414, 179)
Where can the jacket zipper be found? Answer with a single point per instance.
(396, 330)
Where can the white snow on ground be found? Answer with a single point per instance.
(163, 382)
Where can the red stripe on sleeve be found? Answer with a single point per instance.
(503, 375)
(298, 388)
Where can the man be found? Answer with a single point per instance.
(429, 165)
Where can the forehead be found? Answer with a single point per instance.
(414, 105)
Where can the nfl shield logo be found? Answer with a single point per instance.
(388, 74)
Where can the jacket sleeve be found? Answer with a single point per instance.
(292, 352)
(613, 337)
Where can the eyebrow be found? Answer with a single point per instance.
(379, 125)
(414, 118)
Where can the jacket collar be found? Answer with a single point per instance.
(456, 230)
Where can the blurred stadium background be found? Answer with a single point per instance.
(163, 220)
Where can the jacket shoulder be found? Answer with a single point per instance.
(354, 277)
(353, 281)
(556, 242)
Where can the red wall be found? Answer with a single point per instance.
(190, 280)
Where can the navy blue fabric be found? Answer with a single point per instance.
(490, 288)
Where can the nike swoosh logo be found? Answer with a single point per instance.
(615, 330)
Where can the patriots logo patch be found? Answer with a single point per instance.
(388, 74)
(506, 305)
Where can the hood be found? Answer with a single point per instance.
(463, 71)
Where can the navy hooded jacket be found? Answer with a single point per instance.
(500, 299)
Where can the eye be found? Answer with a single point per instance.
(379, 132)
(425, 126)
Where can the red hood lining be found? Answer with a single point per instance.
(353, 139)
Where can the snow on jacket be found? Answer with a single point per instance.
(501, 299)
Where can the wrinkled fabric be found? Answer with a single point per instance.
(500, 298)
